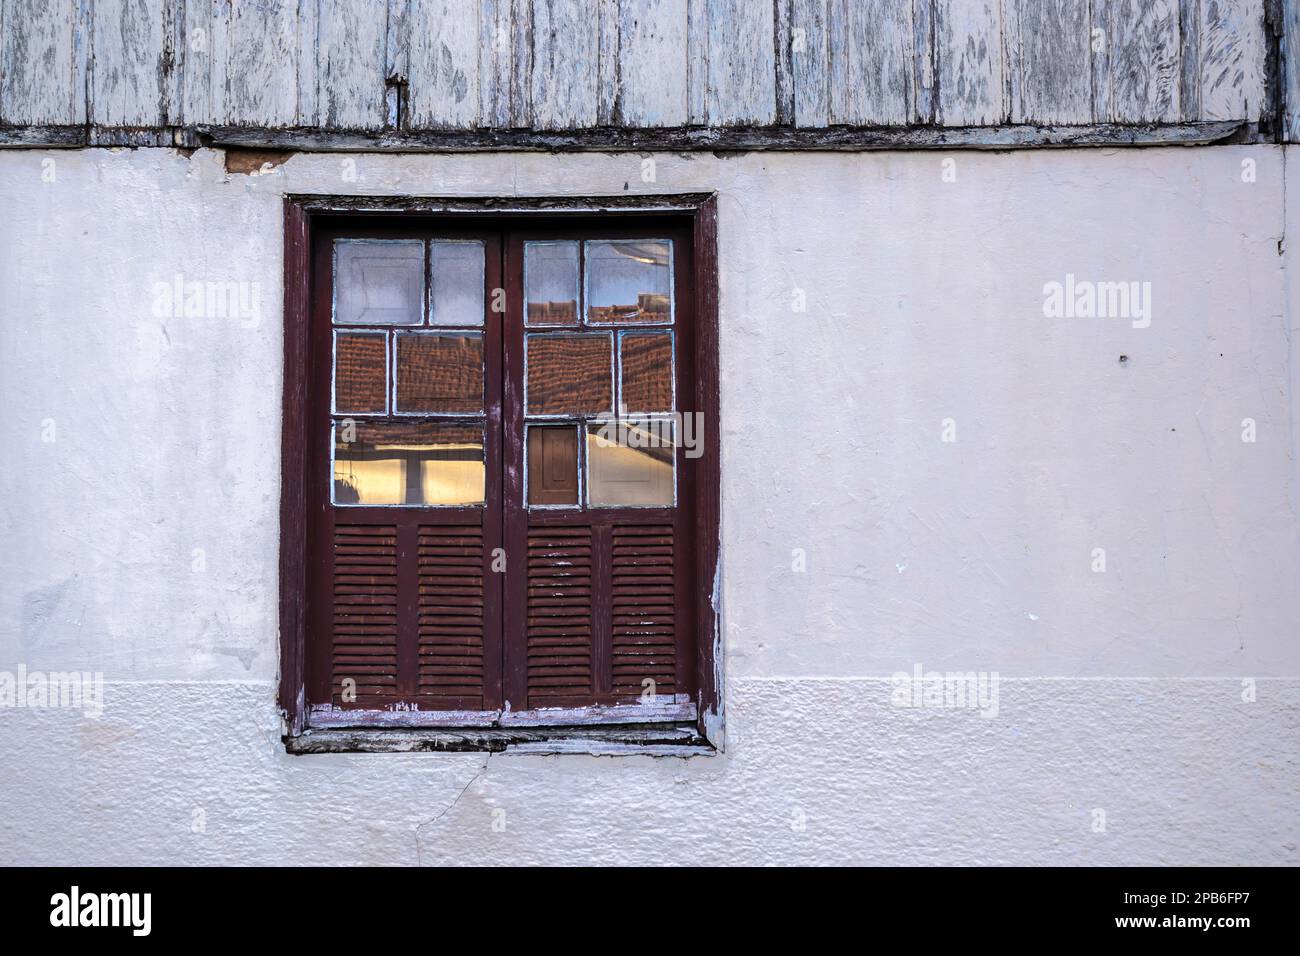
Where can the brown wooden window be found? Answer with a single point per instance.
(500, 499)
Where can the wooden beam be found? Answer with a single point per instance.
(606, 139)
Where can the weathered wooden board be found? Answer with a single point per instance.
(202, 59)
(556, 65)
(783, 82)
(871, 62)
(861, 62)
(924, 80)
(625, 139)
(505, 64)
(495, 57)
(262, 69)
(351, 43)
(444, 63)
(36, 63)
(565, 57)
(305, 62)
(810, 62)
(652, 63)
(1189, 56)
(607, 63)
(130, 75)
(1143, 43)
(1049, 60)
(729, 138)
(1232, 58)
(740, 62)
(1291, 69)
(970, 63)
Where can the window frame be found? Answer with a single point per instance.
(305, 213)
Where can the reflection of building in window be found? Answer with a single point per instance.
(635, 469)
(629, 282)
(553, 313)
(570, 374)
(379, 282)
(651, 308)
(439, 372)
(646, 360)
(361, 373)
(413, 464)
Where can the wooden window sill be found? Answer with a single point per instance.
(657, 739)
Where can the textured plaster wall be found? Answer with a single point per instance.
(141, 490)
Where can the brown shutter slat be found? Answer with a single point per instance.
(451, 613)
(644, 635)
(559, 626)
(365, 610)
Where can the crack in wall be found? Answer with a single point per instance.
(446, 810)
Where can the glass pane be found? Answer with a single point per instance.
(551, 282)
(439, 372)
(553, 465)
(401, 463)
(378, 281)
(646, 366)
(569, 374)
(631, 463)
(457, 282)
(629, 282)
(361, 373)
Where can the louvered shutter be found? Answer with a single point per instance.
(643, 608)
(559, 617)
(602, 613)
(364, 611)
(450, 614)
(407, 616)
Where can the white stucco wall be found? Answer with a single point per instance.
(1120, 691)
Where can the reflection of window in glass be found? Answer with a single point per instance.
(646, 371)
(631, 464)
(552, 464)
(457, 293)
(400, 463)
(361, 373)
(439, 372)
(569, 374)
(551, 282)
(629, 281)
(378, 281)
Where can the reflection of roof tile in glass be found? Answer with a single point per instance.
(359, 377)
(569, 374)
(647, 372)
(553, 313)
(440, 373)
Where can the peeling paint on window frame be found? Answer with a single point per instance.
(704, 731)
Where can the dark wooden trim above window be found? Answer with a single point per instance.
(691, 720)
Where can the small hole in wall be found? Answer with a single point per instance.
(1123, 360)
(254, 161)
